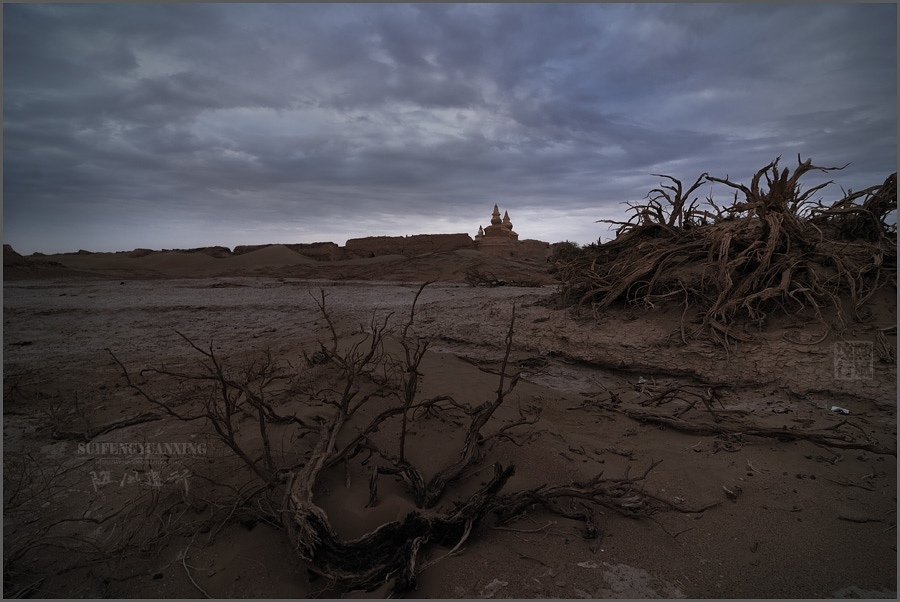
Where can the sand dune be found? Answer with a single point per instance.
(273, 255)
(173, 262)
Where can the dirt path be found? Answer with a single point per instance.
(803, 520)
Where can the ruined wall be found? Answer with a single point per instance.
(418, 244)
(241, 249)
(215, 252)
(536, 250)
(320, 251)
(528, 250)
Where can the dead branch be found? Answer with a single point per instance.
(678, 216)
(475, 277)
(413, 354)
(821, 438)
(427, 494)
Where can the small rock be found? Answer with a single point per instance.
(491, 588)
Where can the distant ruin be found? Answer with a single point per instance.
(500, 232)
(498, 239)
(408, 246)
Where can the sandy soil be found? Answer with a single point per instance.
(808, 520)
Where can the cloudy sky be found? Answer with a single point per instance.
(178, 125)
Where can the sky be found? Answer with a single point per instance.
(189, 125)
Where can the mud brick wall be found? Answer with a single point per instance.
(241, 249)
(216, 252)
(320, 251)
(418, 244)
(527, 250)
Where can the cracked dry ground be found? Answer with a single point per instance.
(797, 517)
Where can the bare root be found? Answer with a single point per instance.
(776, 250)
(369, 389)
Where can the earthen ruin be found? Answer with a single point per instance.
(500, 232)
(409, 246)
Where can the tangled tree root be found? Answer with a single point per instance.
(393, 551)
(235, 398)
(777, 250)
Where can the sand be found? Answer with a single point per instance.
(808, 520)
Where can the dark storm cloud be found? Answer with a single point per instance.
(184, 125)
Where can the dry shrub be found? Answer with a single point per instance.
(776, 250)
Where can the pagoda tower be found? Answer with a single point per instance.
(500, 231)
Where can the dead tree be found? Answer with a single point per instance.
(367, 377)
(777, 249)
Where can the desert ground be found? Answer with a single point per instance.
(766, 469)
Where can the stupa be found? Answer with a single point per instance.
(500, 232)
